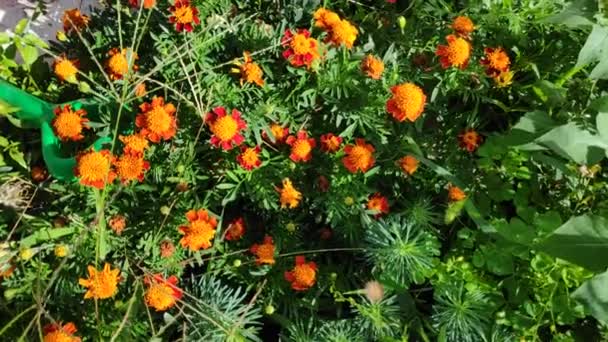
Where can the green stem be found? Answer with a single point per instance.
(575, 69)
(16, 318)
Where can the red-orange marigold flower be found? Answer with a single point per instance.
(93, 168)
(264, 252)
(407, 102)
(303, 276)
(378, 204)
(409, 164)
(117, 223)
(162, 294)
(131, 166)
(289, 196)
(236, 229)
(201, 230)
(101, 284)
(301, 49)
(330, 143)
(250, 71)
(55, 332)
(117, 66)
(279, 133)
(372, 66)
(455, 193)
(469, 139)
(463, 25)
(65, 69)
(68, 124)
(226, 128)
(147, 4)
(184, 15)
(325, 19)
(73, 20)
(343, 33)
(359, 157)
(301, 146)
(495, 61)
(455, 54)
(249, 158)
(136, 143)
(156, 120)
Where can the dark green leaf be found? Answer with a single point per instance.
(593, 294)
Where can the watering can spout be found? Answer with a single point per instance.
(32, 110)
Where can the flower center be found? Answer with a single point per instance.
(301, 148)
(118, 64)
(304, 275)
(409, 98)
(360, 156)
(158, 120)
(184, 14)
(93, 166)
(458, 51)
(225, 128)
(300, 44)
(65, 68)
(250, 156)
(160, 296)
(265, 252)
(68, 124)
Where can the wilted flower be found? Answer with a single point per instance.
(73, 20)
(372, 66)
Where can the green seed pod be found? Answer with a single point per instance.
(165, 210)
(401, 21)
(269, 309)
(237, 263)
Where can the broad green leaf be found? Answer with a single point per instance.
(530, 126)
(549, 93)
(4, 142)
(34, 40)
(516, 231)
(582, 240)
(579, 13)
(599, 105)
(594, 47)
(44, 235)
(17, 156)
(593, 294)
(20, 27)
(29, 54)
(4, 38)
(574, 143)
(602, 125)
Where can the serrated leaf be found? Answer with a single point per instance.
(17, 156)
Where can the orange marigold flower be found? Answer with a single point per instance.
(289, 196)
(463, 25)
(409, 164)
(330, 143)
(249, 158)
(147, 4)
(117, 223)
(469, 139)
(455, 193)
(93, 168)
(264, 252)
(39, 174)
(250, 71)
(301, 49)
(455, 54)
(325, 19)
(185, 15)
(73, 20)
(495, 61)
(162, 294)
(359, 157)
(279, 133)
(226, 128)
(236, 229)
(131, 166)
(504, 79)
(117, 66)
(301, 146)
(167, 248)
(407, 102)
(378, 204)
(343, 33)
(65, 69)
(140, 90)
(55, 332)
(68, 124)
(157, 120)
(372, 66)
(303, 276)
(134, 143)
(101, 284)
(199, 232)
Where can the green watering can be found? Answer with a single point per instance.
(38, 114)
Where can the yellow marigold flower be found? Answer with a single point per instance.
(61, 251)
(200, 231)
(359, 157)
(250, 71)
(264, 252)
(93, 168)
(463, 25)
(117, 65)
(65, 69)
(504, 79)
(455, 54)
(289, 196)
(68, 124)
(55, 332)
(118, 223)
(157, 120)
(495, 61)
(325, 19)
(372, 66)
(26, 253)
(134, 143)
(409, 164)
(73, 20)
(304, 274)
(131, 166)
(407, 102)
(343, 32)
(455, 193)
(101, 284)
(162, 294)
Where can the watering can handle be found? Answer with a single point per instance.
(36, 113)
